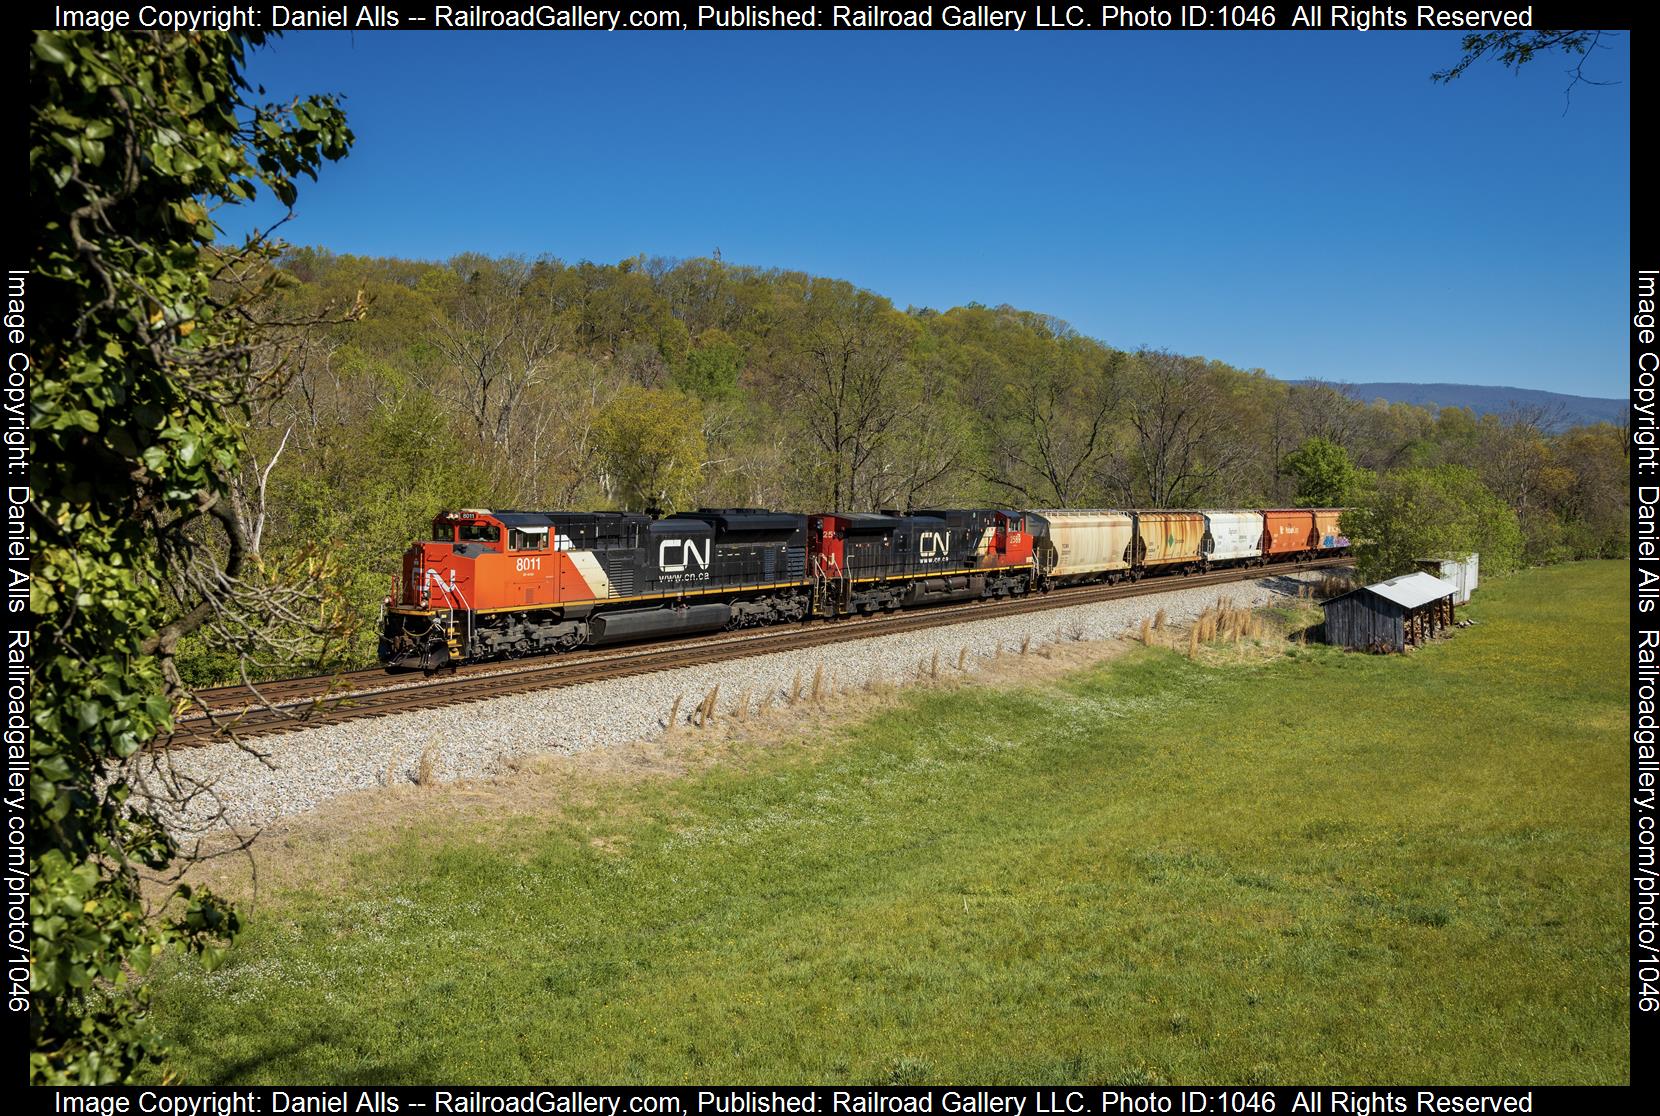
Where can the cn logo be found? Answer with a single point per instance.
(932, 544)
(685, 554)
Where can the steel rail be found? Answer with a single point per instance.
(293, 704)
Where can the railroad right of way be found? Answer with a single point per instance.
(307, 767)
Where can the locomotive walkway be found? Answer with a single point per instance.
(291, 704)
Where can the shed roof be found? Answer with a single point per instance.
(1409, 590)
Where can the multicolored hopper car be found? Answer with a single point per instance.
(504, 584)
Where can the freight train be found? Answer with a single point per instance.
(505, 584)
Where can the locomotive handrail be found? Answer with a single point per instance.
(449, 600)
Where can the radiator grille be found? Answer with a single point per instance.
(620, 571)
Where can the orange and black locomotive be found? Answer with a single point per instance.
(502, 584)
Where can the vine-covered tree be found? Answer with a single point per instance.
(146, 338)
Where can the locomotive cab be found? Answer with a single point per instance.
(478, 527)
(441, 573)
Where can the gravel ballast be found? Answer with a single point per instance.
(299, 770)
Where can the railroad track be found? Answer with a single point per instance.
(297, 703)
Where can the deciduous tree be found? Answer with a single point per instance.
(848, 373)
(500, 334)
(1515, 48)
(1180, 437)
(1326, 475)
(652, 449)
(1427, 513)
(1047, 398)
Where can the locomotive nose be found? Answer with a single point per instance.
(425, 559)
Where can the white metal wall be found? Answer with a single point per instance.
(1463, 572)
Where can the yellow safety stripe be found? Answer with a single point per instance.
(653, 596)
(404, 611)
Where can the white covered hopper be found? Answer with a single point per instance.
(1234, 535)
(1082, 543)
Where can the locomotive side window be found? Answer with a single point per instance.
(531, 538)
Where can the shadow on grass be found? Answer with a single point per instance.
(1313, 633)
(273, 1062)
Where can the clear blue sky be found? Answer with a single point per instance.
(1307, 203)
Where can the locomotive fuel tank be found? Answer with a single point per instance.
(653, 623)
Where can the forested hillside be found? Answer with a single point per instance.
(675, 384)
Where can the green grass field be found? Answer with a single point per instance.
(1319, 867)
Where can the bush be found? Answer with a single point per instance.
(1420, 513)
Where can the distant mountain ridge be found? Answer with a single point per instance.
(1562, 411)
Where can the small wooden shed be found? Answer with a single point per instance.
(1391, 615)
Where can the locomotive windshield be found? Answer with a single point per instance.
(529, 538)
(478, 532)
